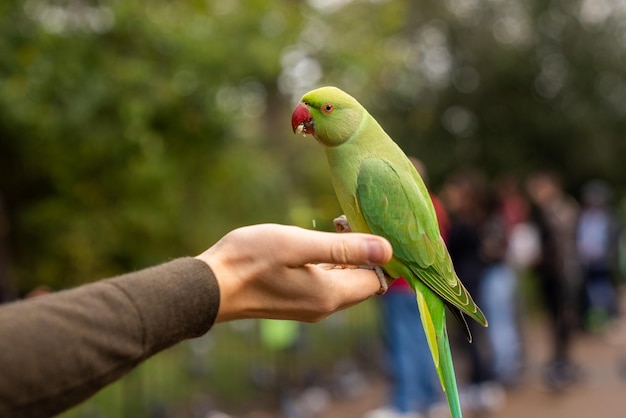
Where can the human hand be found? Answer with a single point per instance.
(267, 271)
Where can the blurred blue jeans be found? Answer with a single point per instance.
(415, 386)
(499, 303)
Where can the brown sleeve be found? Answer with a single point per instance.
(57, 350)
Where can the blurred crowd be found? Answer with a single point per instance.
(507, 236)
(507, 230)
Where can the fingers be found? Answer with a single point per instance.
(326, 247)
(354, 285)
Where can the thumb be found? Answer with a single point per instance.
(348, 248)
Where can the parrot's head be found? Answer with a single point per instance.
(329, 114)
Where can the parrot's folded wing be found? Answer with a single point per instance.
(393, 205)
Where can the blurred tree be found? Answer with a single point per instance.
(131, 132)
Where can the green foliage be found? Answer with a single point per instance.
(133, 132)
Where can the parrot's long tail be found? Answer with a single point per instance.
(432, 312)
(447, 376)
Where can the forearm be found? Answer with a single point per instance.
(60, 349)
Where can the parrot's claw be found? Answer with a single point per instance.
(341, 224)
(382, 278)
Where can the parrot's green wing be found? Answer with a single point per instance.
(395, 207)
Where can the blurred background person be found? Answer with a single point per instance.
(597, 243)
(507, 209)
(474, 245)
(555, 213)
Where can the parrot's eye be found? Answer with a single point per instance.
(328, 108)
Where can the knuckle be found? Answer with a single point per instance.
(340, 252)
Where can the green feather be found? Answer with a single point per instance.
(401, 220)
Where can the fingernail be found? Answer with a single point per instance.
(376, 253)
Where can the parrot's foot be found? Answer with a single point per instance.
(382, 278)
(341, 224)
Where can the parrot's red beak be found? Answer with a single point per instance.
(302, 120)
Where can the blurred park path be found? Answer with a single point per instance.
(599, 393)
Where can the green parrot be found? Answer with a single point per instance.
(381, 192)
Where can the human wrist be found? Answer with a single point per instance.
(228, 285)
